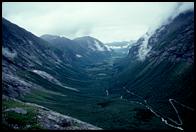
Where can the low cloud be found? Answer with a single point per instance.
(167, 18)
(106, 21)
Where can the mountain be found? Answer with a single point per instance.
(51, 74)
(26, 56)
(120, 49)
(66, 47)
(151, 88)
(92, 44)
(84, 49)
(93, 48)
(46, 74)
(31, 66)
(158, 71)
(36, 71)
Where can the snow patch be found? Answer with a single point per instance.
(98, 46)
(116, 47)
(128, 45)
(50, 78)
(7, 53)
(70, 88)
(78, 55)
(90, 46)
(119, 47)
(108, 48)
(47, 76)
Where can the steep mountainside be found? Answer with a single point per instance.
(26, 56)
(159, 71)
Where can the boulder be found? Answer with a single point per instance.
(17, 110)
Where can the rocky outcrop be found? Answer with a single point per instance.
(17, 110)
(46, 118)
(175, 44)
(14, 86)
(55, 121)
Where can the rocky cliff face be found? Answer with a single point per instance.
(171, 41)
(175, 40)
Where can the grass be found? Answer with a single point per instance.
(11, 118)
(107, 113)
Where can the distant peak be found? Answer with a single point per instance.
(86, 37)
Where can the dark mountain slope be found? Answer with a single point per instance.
(166, 72)
(26, 58)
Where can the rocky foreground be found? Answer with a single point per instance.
(15, 112)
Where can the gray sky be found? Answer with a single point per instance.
(105, 21)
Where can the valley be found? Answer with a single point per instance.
(94, 104)
(146, 84)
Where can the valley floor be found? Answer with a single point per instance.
(94, 104)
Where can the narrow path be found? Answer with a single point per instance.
(145, 103)
(158, 115)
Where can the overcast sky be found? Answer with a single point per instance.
(105, 21)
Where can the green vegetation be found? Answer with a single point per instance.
(19, 121)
